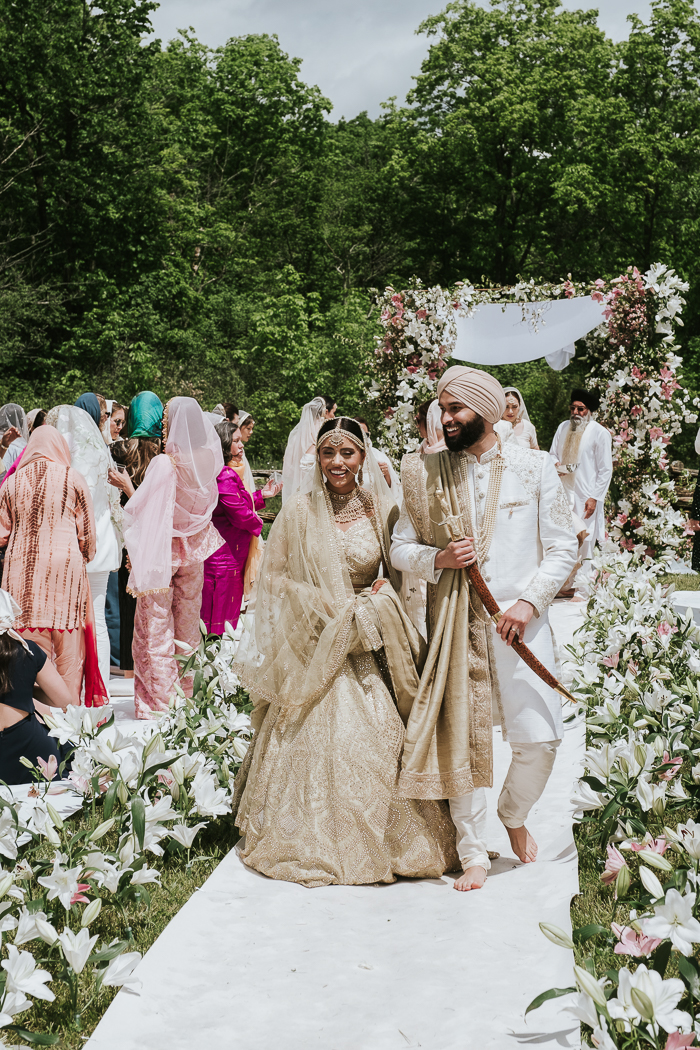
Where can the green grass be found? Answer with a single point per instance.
(683, 581)
(144, 924)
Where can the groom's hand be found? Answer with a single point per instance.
(512, 624)
(457, 555)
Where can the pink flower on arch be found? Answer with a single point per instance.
(636, 411)
(656, 433)
(611, 661)
(664, 629)
(421, 314)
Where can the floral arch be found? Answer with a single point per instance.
(633, 360)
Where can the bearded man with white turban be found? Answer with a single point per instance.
(582, 452)
(519, 531)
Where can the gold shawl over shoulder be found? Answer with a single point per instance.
(305, 617)
(448, 749)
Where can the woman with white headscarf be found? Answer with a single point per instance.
(91, 458)
(14, 435)
(169, 536)
(300, 455)
(515, 424)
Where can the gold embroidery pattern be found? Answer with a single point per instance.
(541, 592)
(526, 464)
(560, 511)
(422, 562)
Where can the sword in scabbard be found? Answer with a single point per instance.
(457, 531)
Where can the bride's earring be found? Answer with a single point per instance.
(359, 476)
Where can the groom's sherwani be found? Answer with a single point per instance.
(531, 553)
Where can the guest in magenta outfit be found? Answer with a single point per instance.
(237, 522)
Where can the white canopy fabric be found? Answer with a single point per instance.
(505, 335)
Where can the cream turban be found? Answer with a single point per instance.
(476, 389)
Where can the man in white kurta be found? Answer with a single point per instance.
(582, 453)
(531, 553)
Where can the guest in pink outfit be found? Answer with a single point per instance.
(237, 522)
(169, 536)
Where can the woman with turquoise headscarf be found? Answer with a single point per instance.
(144, 427)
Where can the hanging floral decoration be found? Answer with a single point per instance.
(635, 365)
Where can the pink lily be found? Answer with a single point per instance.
(655, 845)
(678, 1041)
(613, 864)
(675, 763)
(632, 943)
(48, 768)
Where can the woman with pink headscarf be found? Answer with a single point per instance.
(169, 536)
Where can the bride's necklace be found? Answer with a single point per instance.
(347, 506)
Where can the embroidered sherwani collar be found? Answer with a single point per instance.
(486, 457)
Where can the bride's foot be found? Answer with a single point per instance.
(524, 846)
(472, 879)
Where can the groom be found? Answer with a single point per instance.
(519, 531)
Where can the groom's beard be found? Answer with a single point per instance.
(467, 435)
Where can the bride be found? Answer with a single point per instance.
(331, 662)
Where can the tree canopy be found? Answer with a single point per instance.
(190, 220)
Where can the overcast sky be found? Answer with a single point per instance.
(359, 52)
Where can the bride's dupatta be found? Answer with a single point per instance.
(305, 619)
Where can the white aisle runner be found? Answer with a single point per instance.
(256, 964)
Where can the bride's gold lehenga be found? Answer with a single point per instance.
(321, 803)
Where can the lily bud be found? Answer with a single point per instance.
(52, 835)
(25, 762)
(556, 935)
(53, 813)
(642, 1004)
(588, 984)
(650, 882)
(655, 860)
(102, 829)
(91, 912)
(5, 884)
(640, 754)
(622, 882)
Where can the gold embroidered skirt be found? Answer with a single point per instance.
(321, 803)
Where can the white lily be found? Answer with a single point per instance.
(662, 995)
(673, 920)
(184, 835)
(24, 976)
(210, 800)
(120, 970)
(145, 875)
(77, 947)
(62, 883)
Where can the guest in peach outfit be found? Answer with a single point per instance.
(48, 527)
(169, 536)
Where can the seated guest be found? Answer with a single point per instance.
(239, 525)
(22, 666)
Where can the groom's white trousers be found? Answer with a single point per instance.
(527, 778)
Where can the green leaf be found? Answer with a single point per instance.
(688, 969)
(35, 1038)
(552, 993)
(138, 817)
(107, 954)
(595, 783)
(110, 799)
(661, 957)
(584, 933)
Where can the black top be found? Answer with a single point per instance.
(24, 667)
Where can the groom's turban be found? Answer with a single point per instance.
(476, 389)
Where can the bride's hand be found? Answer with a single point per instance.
(376, 585)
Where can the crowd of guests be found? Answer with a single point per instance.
(120, 526)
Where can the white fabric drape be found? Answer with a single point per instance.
(497, 334)
(296, 469)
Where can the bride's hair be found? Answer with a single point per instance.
(342, 423)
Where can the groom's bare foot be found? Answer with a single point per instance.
(472, 879)
(524, 846)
